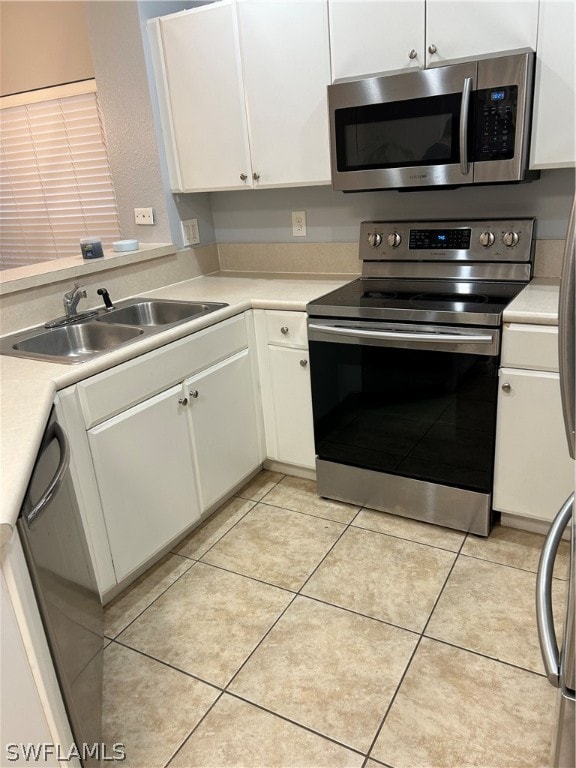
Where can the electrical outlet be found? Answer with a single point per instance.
(299, 223)
(144, 216)
(190, 232)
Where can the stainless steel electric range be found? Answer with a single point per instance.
(404, 368)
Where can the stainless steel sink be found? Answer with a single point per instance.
(84, 339)
(152, 312)
(77, 342)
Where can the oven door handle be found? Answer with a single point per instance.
(464, 112)
(393, 335)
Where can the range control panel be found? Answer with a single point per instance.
(509, 240)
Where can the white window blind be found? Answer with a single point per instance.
(55, 181)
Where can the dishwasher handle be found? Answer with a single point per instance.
(544, 616)
(54, 432)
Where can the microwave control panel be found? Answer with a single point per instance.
(495, 123)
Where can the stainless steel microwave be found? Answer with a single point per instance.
(464, 123)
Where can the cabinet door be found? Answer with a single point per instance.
(554, 124)
(286, 61)
(201, 57)
(292, 404)
(368, 37)
(145, 473)
(534, 473)
(222, 411)
(460, 29)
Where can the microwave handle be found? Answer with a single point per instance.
(464, 112)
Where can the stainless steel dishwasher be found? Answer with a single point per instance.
(57, 554)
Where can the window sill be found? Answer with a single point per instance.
(50, 272)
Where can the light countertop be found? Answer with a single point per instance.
(28, 386)
(536, 304)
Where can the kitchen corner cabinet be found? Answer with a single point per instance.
(534, 473)
(368, 37)
(285, 381)
(242, 90)
(160, 440)
(554, 124)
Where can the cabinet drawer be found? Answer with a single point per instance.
(111, 392)
(286, 328)
(534, 347)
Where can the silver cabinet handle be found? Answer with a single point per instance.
(284, 330)
(183, 401)
(506, 387)
(432, 49)
(412, 54)
(544, 617)
(303, 363)
(464, 110)
(243, 176)
(54, 432)
(194, 393)
(256, 176)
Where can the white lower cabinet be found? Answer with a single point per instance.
(158, 441)
(222, 413)
(534, 473)
(292, 403)
(144, 469)
(285, 383)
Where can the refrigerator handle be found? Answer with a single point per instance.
(54, 432)
(566, 322)
(544, 617)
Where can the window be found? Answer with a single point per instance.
(55, 182)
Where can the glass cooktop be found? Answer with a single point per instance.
(418, 300)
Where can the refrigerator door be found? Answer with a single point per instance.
(566, 331)
(57, 554)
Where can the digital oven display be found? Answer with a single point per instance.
(439, 239)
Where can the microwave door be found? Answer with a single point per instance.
(407, 130)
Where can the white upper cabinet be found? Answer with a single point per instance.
(458, 29)
(286, 65)
(199, 79)
(368, 37)
(242, 90)
(554, 125)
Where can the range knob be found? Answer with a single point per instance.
(394, 239)
(486, 239)
(374, 238)
(510, 239)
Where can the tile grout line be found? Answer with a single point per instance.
(408, 665)
(204, 716)
(193, 563)
(294, 722)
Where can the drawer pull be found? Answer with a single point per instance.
(194, 393)
(303, 363)
(284, 330)
(183, 401)
(506, 387)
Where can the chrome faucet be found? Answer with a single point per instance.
(72, 298)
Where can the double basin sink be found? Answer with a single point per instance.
(90, 335)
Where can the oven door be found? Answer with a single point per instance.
(411, 401)
(406, 130)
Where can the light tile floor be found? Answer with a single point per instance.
(292, 631)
